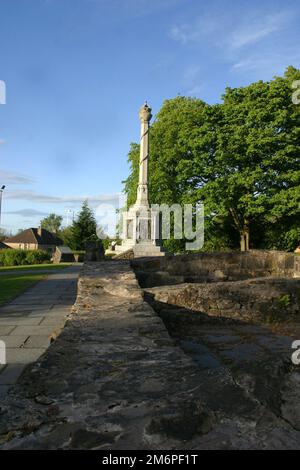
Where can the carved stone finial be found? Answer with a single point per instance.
(145, 113)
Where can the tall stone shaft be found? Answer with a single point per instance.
(140, 222)
(142, 191)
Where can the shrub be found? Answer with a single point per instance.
(37, 257)
(12, 257)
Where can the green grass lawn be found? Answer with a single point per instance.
(34, 266)
(13, 285)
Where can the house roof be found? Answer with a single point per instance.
(3, 246)
(31, 235)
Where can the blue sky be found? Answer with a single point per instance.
(77, 71)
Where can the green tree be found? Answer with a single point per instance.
(252, 174)
(52, 223)
(240, 157)
(83, 228)
(66, 234)
(4, 234)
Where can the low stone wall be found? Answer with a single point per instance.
(212, 267)
(114, 379)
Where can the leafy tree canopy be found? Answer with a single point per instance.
(52, 223)
(240, 157)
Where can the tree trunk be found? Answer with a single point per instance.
(242, 226)
(245, 237)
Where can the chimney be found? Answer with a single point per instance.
(40, 230)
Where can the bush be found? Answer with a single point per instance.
(12, 257)
(38, 257)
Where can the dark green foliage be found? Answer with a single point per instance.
(83, 228)
(67, 237)
(23, 257)
(106, 243)
(241, 158)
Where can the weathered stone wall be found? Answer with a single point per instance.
(263, 300)
(108, 380)
(212, 267)
(114, 379)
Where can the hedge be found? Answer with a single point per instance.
(12, 257)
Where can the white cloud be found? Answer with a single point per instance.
(27, 213)
(229, 32)
(257, 40)
(196, 90)
(258, 29)
(67, 200)
(272, 63)
(191, 73)
(194, 31)
(11, 177)
(191, 80)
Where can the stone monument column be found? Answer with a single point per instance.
(140, 221)
(142, 190)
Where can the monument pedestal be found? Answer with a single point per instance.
(141, 232)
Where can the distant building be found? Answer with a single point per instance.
(34, 239)
(63, 254)
(3, 246)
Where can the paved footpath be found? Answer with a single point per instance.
(18, 272)
(28, 323)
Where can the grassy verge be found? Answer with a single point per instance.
(12, 285)
(38, 267)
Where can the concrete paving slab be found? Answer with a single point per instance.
(33, 330)
(39, 314)
(23, 309)
(40, 342)
(21, 321)
(56, 320)
(6, 330)
(14, 341)
(22, 355)
(35, 302)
